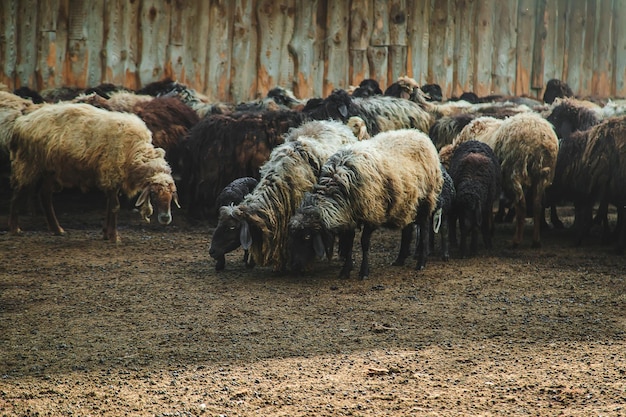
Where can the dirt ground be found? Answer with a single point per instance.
(149, 328)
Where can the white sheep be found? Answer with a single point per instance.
(391, 180)
(78, 145)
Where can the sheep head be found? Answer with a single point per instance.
(160, 191)
(308, 238)
(227, 235)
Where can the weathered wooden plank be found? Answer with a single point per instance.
(380, 29)
(441, 47)
(418, 39)
(574, 42)
(94, 43)
(244, 63)
(196, 33)
(306, 50)
(121, 43)
(464, 47)
(526, 16)
(505, 29)
(588, 65)
(484, 48)
(603, 50)
(539, 47)
(361, 17)
(8, 38)
(219, 51)
(26, 62)
(398, 50)
(336, 65)
(175, 51)
(378, 58)
(154, 35)
(275, 31)
(619, 13)
(47, 18)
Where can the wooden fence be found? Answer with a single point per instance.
(239, 49)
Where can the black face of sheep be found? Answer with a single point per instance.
(306, 243)
(226, 237)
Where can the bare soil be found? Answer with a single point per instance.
(149, 328)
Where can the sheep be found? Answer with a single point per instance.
(570, 115)
(367, 88)
(30, 94)
(230, 196)
(391, 180)
(290, 171)
(527, 148)
(433, 92)
(591, 168)
(380, 113)
(475, 171)
(556, 88)
(77, 145)
(221, 148)
(481, 129)
(441, 218)
(446, 128)
(358, 127)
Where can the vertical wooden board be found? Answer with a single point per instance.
(441, 48)
(244, 63)
(336, 65)
(133, 39)
(464, 47)
(8, 37)
(397, 22)
(196, 27)
(286, 71)
(526, 17)
(361, 17)
(114, 42)
(94, 43)
(588, 65)
(175, 51)
(26, 43)
(153, 40)
(397, 40)
(271, 19)
(219, 51)
(603, 50)
(574, 42)
(47, 18)
(619, 13)
(380, 29)
(550, 59)
(397, 62)
(305, 48)
(485, 46)
(418, 39)
(378, 59)
(539, 47)
(505, 29)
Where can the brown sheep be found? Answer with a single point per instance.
(78, 145)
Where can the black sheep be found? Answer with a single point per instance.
(556, 88)
(475, 170)
(441, 216)
(231, 195)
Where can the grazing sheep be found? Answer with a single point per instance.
(441, 220)
(221, 148)
(475, 171)
(77, 145)
(291, 170)
(391, 180)
(527, 148)
(231, 195)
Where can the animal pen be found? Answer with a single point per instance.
(238, 50)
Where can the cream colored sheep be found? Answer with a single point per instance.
(78, 145)
(391, 180)
(527, 148)
(481, 129)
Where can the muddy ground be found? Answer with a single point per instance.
(149, 328)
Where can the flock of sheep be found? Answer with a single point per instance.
(287, 179)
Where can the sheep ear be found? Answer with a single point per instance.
(318, 246)
(143, 196)
(437, 216)
(175, 199)
(244, 235)
(343, 111)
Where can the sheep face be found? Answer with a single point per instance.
(226, 237)
(159, 194)
(307, 239)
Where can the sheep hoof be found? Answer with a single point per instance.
(17, 232)
(59, 232)
(220, 265)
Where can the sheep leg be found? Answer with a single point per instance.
(45, 194)
(366, 240)
(452, 220)
(423, 218)
(620, 229)
(554, 218)
(487, 228)
(539, 216)
(346, 243)
(445, 243)
(19, 198)
(405, 245)
(463, 243)
(520, 219)
(113, 207)
(582, 221)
